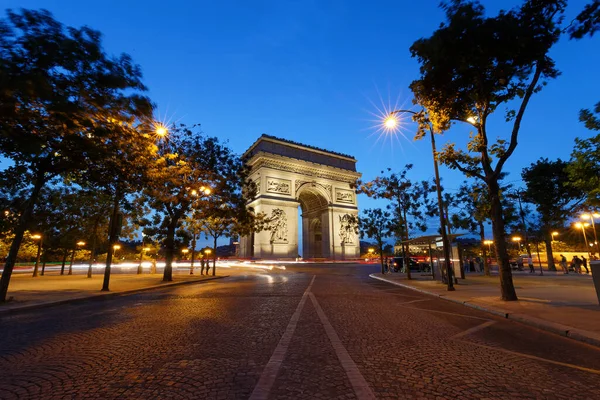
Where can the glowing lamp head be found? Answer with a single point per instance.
(81, 243)
(391, 122)
(185, 251)
(161, 131)
(117, 246)
(516, 239)
(36, 236)
(207, 191)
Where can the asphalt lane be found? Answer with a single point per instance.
(274, 335)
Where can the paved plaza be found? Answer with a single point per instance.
(307, 332)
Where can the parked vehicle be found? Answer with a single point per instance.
(398, 264)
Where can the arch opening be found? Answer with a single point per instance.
(314, 208)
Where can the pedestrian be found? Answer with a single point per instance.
(563, 264)
(207, 265)
(584, 263)
(576, 263)
(530, 262)
(477, 264)
(202, 265)
(471, 265)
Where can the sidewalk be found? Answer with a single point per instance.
(563, 304)
(30, 293)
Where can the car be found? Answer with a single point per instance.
(398, 264)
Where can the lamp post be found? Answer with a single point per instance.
(81, 243)
(139, 268)
(517, 240)
(489, 243)
(554, 234)
(37, 237)
(115, 248)
(582, 226)
(591, 217)
(206, 191)
(390, 123)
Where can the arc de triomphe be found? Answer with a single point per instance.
(289, 175)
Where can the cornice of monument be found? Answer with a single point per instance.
(291, 143)
(294, 165)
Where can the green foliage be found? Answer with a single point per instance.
(376, 224)
(473, 64)
(549, 188)
(587, 22)
(584, 169)
(409, 201)
(591, 121)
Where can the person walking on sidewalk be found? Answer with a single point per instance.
(576, 263)
(530, 263)
(563, 264)
(584, 263)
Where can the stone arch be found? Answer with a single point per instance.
(290, 175)
(315, 205)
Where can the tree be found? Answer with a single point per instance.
(587, 22)
(376, 224)
(549, 188)
(187, 165)
(59, 91)
(472, 65)
(407, 199)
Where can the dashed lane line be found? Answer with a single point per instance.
(473, 329)
(359, 384)
(267, 378)
(515, 353)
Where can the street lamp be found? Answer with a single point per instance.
(115, 248)
(554, 234)
(517, 240)
(390, 123)
(160, 130)
(489, 243)
(582, 226)
(81, 243)
(591, 217)
(37, 237)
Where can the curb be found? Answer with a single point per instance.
(559, 329)
(100, 296)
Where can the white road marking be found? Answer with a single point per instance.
(267, 378)
(359, 384)
(515, 353)
(473, 329)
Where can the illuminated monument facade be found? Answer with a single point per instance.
(289, 175)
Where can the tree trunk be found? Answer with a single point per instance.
(214, 256)
(407, 251)
(64, 261)
(71, 263)
(93, 252)
(37, 258)
(549, 254)
(169, 251)
(112, 239)
(486, 266)
(44, 261)
(11, 258)
(193, 253)
(507, 288)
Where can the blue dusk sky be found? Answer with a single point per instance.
(314, 71)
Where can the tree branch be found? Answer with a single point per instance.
(517, 124)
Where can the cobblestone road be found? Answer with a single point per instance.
(270, 335)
